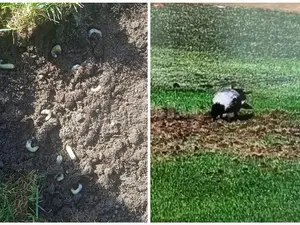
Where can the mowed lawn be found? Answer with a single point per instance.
(195, 51)
(219, 188)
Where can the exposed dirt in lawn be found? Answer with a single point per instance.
(271, 134)
(107, 129)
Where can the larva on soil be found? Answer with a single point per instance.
(70, 152)
(30, 148)
(59, 159)
(96, 89)
(93, 30)
(46, 112)
(6, 66)
(75, 67)
(60, 177)
(76, 191)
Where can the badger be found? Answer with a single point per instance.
(229, 100)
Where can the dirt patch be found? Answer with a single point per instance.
(107, 129)
(271, 134)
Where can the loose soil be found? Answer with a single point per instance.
(107, 129)
(272, 134)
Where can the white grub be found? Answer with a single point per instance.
(93, 30)
(76, 191)
(59, 159)
(75, 67)
(70, 152)
(30, 148)
(46, 112)
(60, 177)
(6, 66)
(220, 6)
(96, 89)
(55, 51)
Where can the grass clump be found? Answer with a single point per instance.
(24, 17)
(19, 199)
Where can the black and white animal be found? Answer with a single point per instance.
(229, 100)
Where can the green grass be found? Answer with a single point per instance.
(274, 83)
(230, 32)
(19, 199)
(216, 188)
(6, 212)
(203, 49)
(185, 52)
(23, 17)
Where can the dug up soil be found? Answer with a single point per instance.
(106, 128)
(266, 135)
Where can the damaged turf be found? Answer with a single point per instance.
(270, 134)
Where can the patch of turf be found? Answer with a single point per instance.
(19, 199)
(183, 101)
(274, 84)
(196, 50)
(218, 188)
(232, 31)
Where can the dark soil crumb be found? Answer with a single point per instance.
(271, 134)
(107, 129)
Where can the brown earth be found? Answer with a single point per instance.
(271, 134)
(107, 129)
